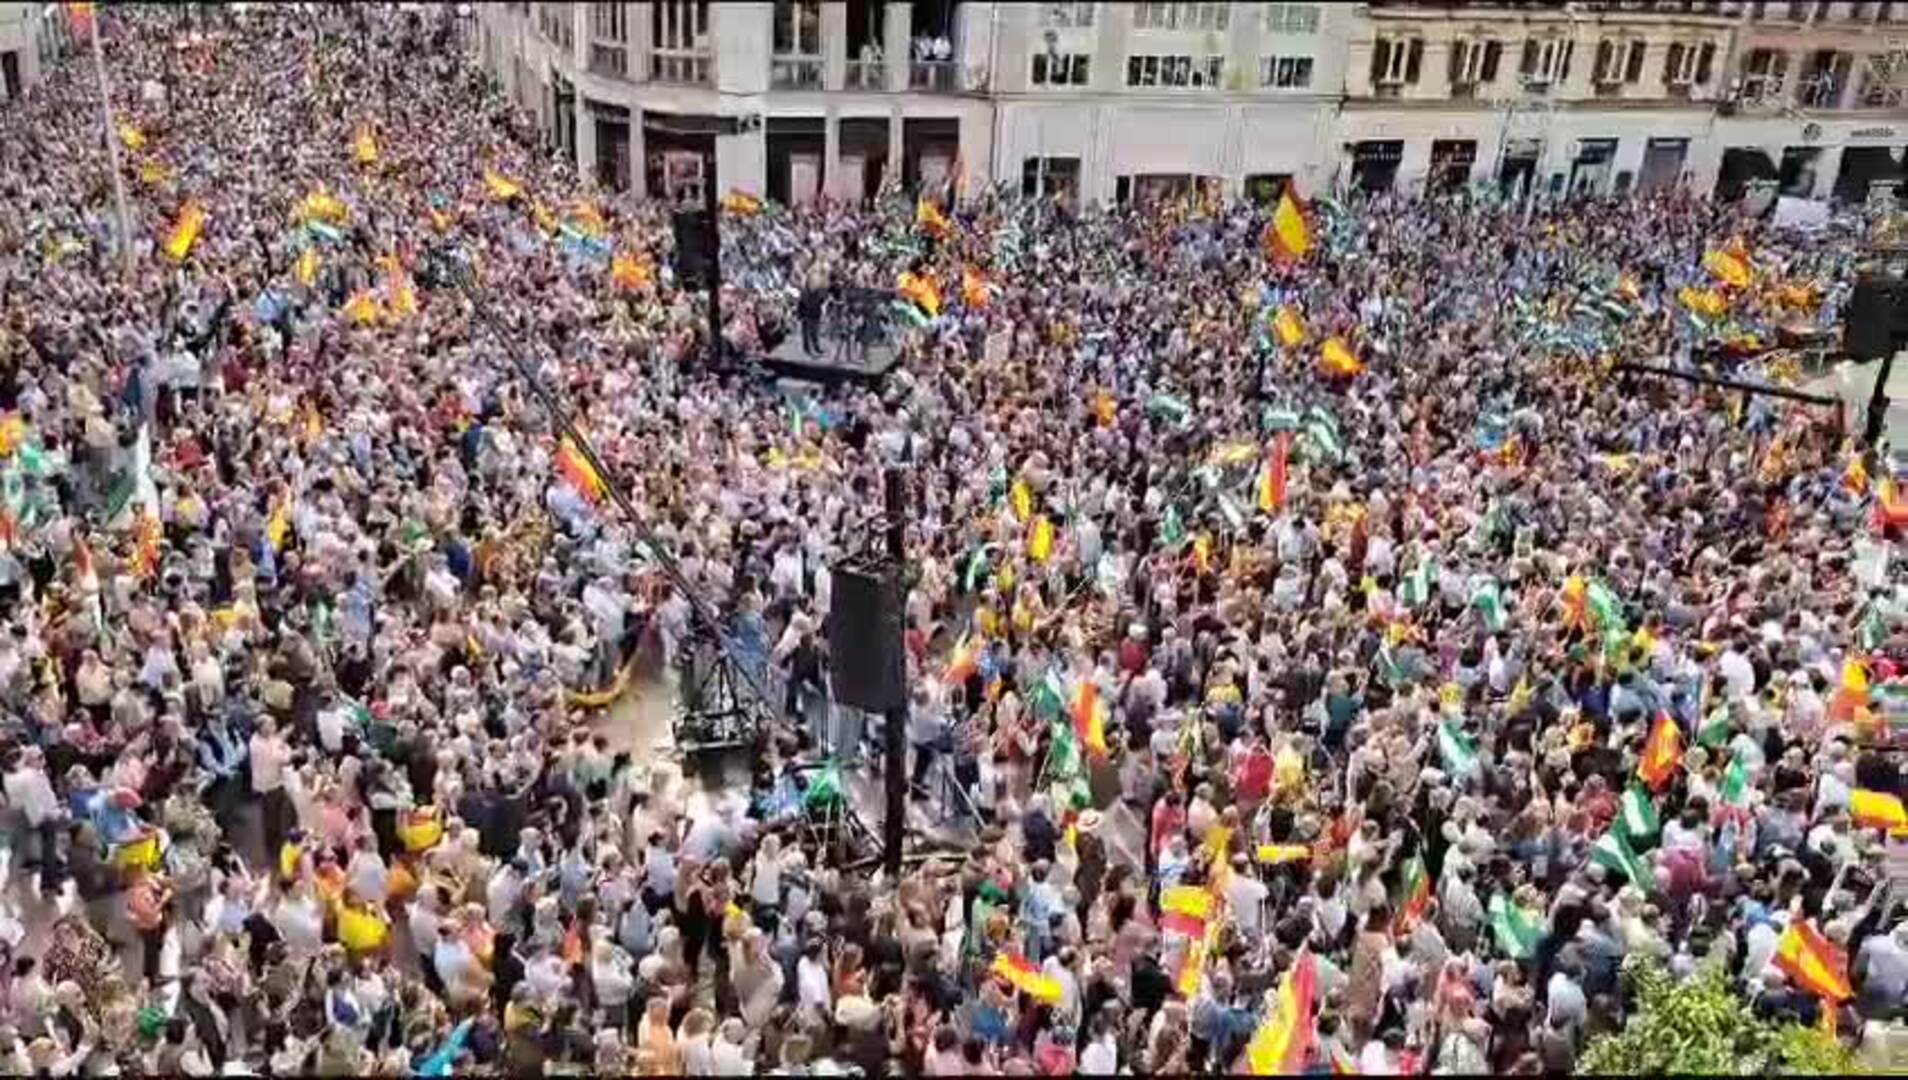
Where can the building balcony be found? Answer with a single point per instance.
(688, 69)
(795, 73)
(866, 75)
(934, 76)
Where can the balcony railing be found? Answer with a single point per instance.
(609, 59)
(795, 73)
(867, 75)
(671, 67)
(934, 76)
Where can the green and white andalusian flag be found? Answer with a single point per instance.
(1488, 599)
(1456, 748)
(1636, 818)
(1415, 591)
(1517, 930)
(1615, 853)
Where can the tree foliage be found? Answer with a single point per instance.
(1700, 1025)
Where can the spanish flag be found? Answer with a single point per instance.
(1105, 409)
(1707, 303)
(1876, 810)
(588, 219)
(579, 472)
(1414, 897)
(1290, 327)
(186, 231)
(1040, 540)
(962, 662)
(741, 203)
(1272, 478)
(1192, 969)
(629, 273)
(501, 187)
(132, 138)
(1813, 962)
(920, 289)
(362, 308)
(1021, 496)
(1280, 854)
(146, 546)
(80, 17)
(1855, 475)
(1288, 238)
(1089, 718)
(1025, 976)
(1185, 909)
(929, 219)
(365, 147)
(278, 526)
(1730, 269)
(1662, 753)
(976, 291)
(1337, 360)
(305, 270)
(323, 206)
(154, 173)
(1284, 1040)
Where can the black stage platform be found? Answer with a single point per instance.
(833, 365)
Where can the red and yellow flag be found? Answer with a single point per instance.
(1089, 718)
(1876, 810)
(1040, 540)
(962, 662)
(1288, 238)
(929, 219)
(1290, 327)
(1730, 269)
(1105, 409)
(501, 187)
(629, 273)
(1283, 1041)
(1337, 360)
(1025, 976)
(976, 291)
(579, 472)
(147, 535)
(364, 146)
(741, 203)
(80, 17)
(1662, 753)
(185, 231)
(1813, 962)
(921, 289)
(1272, 478)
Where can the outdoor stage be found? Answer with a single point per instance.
(834, 365)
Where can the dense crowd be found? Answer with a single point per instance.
(1369, 713)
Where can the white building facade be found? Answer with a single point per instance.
(32, 37)
(1106, 102)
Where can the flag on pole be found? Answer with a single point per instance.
(185, 231)
(1614, 852)
(1730, 269)
(629, 273)
(962, 662)
(1488, 599)
(1636, 818)
(1813, 962)
(1876, 810)
(501, 187)
(1414, 897)
(1336, 359)
(1040, 540)
(1517, 930)
(929, 219)
(1288, 238)
(1089, 718)
(1735, 784)
(921, 289)
(1284, 1039)
(976, 291)
(1273, 477)
(577, 470)
(1025, 976)
(305, 270)
(1415, 590)
(1456, 749)
(1662, 753)
(1289, 327)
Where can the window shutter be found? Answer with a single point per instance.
(1704, 58)
(1563, 68)
(1493, 51)
(1414, 60)
(1528, 66)
(1606, 59)
(1672, 62)
(1380, 52)
(1633, 71)
(1458, 50)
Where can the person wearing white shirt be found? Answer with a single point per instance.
(269, 756)
(1101, 1056)
(811, 980)
(30, 792)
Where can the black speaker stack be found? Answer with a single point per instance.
(867, 668)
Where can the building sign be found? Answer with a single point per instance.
(1522, 148)
(1872, 133)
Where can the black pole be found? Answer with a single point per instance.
(1728, 384)
(1878, 410)
(711, 207)
(895, 765)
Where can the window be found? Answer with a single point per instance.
(797, 28)
(1396, 60)
(1684, 65)
(1291, 18)
(1180, 16)
(1763, 73)
(556, 24)
(1067, 16)
(1200, 72)
(1474, 61)
(1060, 69)
(679, 31)
(1546, 61)
(1286, 72)
(608, 23)
(1619, 61)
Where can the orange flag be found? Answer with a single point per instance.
(1815, 963)
(1288, 238)
(1662, 753)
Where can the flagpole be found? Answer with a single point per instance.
(112, 147)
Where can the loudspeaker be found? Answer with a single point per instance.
(867, 667)
(693, 247)
(1877, 320)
